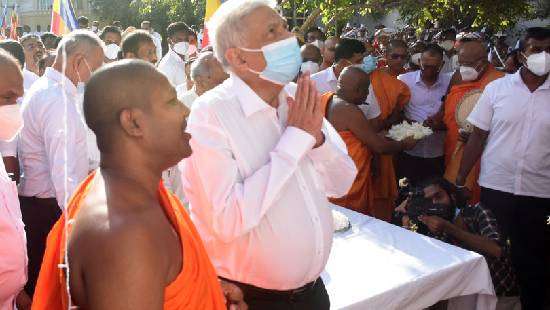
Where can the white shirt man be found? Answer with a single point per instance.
(515, 159)
(325, 80)
(173, 67)
(425, 102)
(52, 152)
(250, 175)
(158, 43)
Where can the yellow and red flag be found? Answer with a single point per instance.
(14, 23)
(63, 17)
(211, 7)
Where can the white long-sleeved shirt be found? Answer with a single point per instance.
(173, 67)
(258, 191)
(13, 251)
(52, 144)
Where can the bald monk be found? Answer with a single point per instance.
(131, 245)
(476, 72)
(391, 95)
(360, 136)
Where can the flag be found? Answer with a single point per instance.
(14, 23)
(211, 7)
(63, 17)
(3, 22)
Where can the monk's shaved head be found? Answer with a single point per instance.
(121, 85)
(353, 85)
(472, 51)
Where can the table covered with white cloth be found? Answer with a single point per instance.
(376, 265)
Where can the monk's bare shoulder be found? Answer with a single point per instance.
(341, 113)
(113, 246)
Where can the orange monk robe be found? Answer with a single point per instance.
(196, 287)
(390, 93)
(453, 156)
(360, 196)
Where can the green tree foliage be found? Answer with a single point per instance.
(159, 12)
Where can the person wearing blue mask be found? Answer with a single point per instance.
(348, 52)
(264, 162)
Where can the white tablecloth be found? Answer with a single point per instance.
(379, 266)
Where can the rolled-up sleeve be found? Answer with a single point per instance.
(335, 167)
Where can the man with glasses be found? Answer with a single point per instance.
(427, 86)
(397, 56)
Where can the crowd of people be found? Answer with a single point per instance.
(201, 178)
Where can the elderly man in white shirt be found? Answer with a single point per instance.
(348, 52)
(172, 64)
(428, 86)
(512, 135)
(264, 162)
(53, 144)
(13, 254)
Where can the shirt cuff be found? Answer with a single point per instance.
(479, 124)
(325, 152)
(295, 143)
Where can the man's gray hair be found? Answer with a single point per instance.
(78, 40)
(27, 37)
(226, 28)
(201, 67)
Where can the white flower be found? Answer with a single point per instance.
(401, 131)
(340, 221)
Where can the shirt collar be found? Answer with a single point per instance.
(175, 56)
(418, 79)
(249, 100)
(516, 78)
(330, 74)
(58, 77)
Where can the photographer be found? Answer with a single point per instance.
(474, 228)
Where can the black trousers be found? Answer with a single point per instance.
(39, 216)
(418, 169)
(523, 220)
(312, 296)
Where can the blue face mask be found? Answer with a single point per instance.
(369, 64)
(283, 61)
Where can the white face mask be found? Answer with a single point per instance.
(415, 58)
(309, 66)
(468, 73)
(94, 29)
(447, 45)
(538, 63)
(111, 51)
(11, 121)
(320, 44)
(181, 48)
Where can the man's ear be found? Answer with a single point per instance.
(236, 59)
(131, 122)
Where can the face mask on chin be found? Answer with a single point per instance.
(283, 61)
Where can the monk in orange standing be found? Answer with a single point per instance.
(391, 95)
(124, 241)
(360, 136)
(475, 73)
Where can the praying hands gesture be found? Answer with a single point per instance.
(305, 110)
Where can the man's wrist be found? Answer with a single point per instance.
(319, 139)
